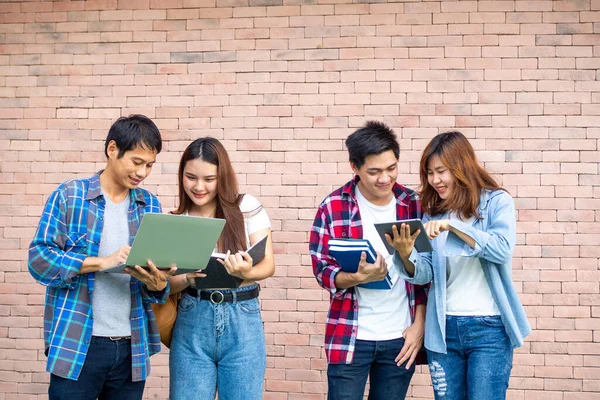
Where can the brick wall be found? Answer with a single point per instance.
(282, 83)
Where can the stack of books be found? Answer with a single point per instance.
(347, 254)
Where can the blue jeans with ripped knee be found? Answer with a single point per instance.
(478, 360)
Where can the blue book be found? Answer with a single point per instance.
(347, 254)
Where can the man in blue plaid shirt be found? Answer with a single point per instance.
(99, 328)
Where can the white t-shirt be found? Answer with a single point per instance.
(467, 290)
(255, 216)
(382, 314)
(111, 299)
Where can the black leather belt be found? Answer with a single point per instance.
(217, 297)
(112, 338)
(117, 338)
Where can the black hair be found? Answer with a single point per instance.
(132, 131)
(373, 138)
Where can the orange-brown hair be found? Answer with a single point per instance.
(228, 197)
(457, 154)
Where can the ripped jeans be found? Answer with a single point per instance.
(478, 363)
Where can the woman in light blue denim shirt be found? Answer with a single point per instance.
(474, 315)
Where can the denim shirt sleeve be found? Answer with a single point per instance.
(422, 262)
(423, 268)
(497, 242)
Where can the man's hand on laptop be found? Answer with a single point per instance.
(117, 258)
(154, 278)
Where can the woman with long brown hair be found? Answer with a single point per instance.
(474, 316)
(218, 340)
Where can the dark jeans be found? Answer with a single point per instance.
(106, 375)
(374, 359)
(478, 362)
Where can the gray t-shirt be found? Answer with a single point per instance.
(111, 299)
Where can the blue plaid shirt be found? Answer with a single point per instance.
(69, 231)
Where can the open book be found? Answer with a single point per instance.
(347, 254)
(216, 274)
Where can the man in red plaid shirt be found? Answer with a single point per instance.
(370, 332)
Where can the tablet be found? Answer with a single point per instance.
(422, 244)
(168, 239)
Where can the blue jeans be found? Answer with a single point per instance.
(374, 359)
(106, 375)
(478, 362)
(218, 347)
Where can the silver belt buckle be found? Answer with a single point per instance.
(220, 299)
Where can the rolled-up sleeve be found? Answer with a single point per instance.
(324, 266)
(423, 268)
(496, 244)
(155, 296)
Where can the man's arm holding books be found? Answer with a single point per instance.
(366, 273)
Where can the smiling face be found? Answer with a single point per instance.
(440, 177)
(132, 168)
(377, 177)
(200, 184)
